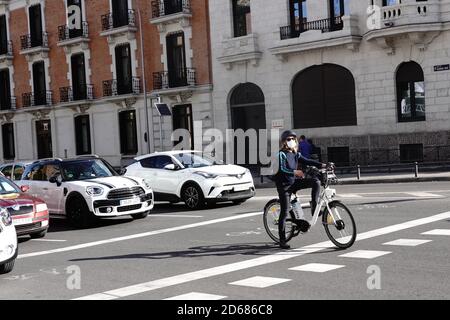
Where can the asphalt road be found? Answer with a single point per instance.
(223, 252)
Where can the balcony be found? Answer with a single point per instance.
(183, 77)
(10, 104)
(31, 99)
(6, 53)
(30, 45)
(319, 34)
(115, 25)
(179, 12)
(113, 88)
(241, 49)
(68, 95)
(324, 25)
(68, 37)
(420, 22)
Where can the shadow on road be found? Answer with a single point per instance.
(201, 251)
(392, 201)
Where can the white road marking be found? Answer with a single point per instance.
(406, 242)
(349, 195)
(256, 262)
(424, 195)
(259, 282)
(365, 254)
(138, 235)
(438, 232)
(173, 216)
(317, 267)
(197, 296)
(48, 240)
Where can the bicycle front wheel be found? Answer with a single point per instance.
(271, 218)
(339, 225)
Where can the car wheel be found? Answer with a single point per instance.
(7, 267)
(141, 215)
(38, 235)
(193, 197)
(78, 213)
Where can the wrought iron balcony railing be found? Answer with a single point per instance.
(28, 41)
(161, 8)
(10, 103)
(325, 25)
(66, 33)
(6, 48)
(181, 77)
(33, 99)
(112, 88)
(83, 92)
(111, 21)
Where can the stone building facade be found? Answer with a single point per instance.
(367, 80)
(72, 81)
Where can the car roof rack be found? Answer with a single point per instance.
(87, 156)
(48, 159)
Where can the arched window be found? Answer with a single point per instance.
(324, 96)
(410, 92)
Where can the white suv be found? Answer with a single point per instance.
(192, 177)
(8, 242)
(86, 188)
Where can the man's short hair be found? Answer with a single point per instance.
(302, 137)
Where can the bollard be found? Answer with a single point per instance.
(416, 169)
(358, 172)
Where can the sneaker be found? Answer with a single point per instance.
(284, 245)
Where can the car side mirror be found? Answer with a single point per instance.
(56, 179)
(170, 167)
(123, 171)
(25, 188)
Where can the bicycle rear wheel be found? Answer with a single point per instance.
(271, 217)
(339, 225)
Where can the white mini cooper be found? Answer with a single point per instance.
(86, 188)
(8, 242)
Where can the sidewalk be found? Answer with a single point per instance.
(346, 179)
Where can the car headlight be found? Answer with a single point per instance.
(5, 217)
(146, 184)
(94, 191)
(206, 175)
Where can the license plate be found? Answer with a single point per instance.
(19, 222)
(240, 188)
(130, 202)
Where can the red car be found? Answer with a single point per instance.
(30, 215)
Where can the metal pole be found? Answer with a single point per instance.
(358, 170)
(144, 82)
(160, 133)
(416, 171)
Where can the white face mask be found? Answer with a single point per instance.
(292, 144)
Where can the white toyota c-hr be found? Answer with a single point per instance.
(192, 177)
(8, 242)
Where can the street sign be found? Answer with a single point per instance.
(442, 67)
(163, 109)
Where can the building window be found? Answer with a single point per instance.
(339, 156)
(35, 15)
(40, 87)
(241, 18)
(83, 135)
(128, 132)
(78, 30)
(44, 139)
(78, 68)
(120, 13)
(3, 36)
(391, 2)
(5, 90)
(8, 141)
(324, 96)
(411, 152)
(123, 69)
(410, 92)
(182, 119)
(176, 60)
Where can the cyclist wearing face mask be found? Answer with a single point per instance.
(289, 179)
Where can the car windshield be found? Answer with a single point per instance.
(7, 187)
(86, 169)
(194, 160)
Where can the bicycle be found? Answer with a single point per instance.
(341, 232)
